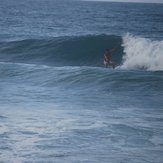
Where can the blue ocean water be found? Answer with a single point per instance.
(57, 101)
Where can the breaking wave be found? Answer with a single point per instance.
(131, 52)
(142, 53)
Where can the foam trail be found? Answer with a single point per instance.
(142, 53)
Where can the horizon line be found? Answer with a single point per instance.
(121, 1)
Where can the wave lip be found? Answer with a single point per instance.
(142, 53)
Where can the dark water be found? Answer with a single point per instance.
(57, 101)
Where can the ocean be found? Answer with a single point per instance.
(57, 101)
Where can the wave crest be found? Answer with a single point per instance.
(142, 53)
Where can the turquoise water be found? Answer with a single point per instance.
(57, 101)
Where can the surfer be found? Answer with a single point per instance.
(108, 58)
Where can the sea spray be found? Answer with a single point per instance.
(142, 53)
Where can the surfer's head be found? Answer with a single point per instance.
(107, 50)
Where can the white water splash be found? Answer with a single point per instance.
(142, 53)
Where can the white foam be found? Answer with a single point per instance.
(142, 53)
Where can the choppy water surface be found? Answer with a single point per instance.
(57, 101)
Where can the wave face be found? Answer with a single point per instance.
(142, 53)
(61, 51)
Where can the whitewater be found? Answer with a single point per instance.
(57, 101)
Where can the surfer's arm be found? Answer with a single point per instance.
(105, 58)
